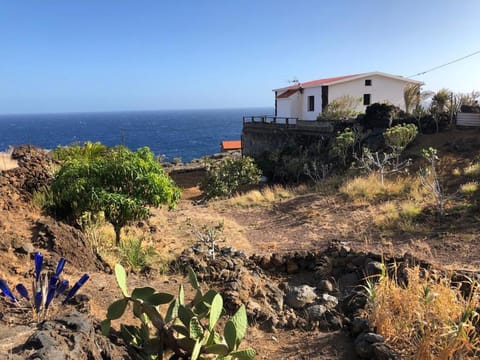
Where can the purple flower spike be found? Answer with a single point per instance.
(38, 265)
(76, 287)
(6, 290)
(52, 286)
(22, 290)
(38, 301)
(62, 287)
(60, 266)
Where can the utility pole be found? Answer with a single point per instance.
(122, 136)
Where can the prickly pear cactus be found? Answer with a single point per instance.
(185, 331)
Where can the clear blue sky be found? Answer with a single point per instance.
(100, 55)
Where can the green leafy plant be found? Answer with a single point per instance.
(78, 151)
(185, 331)
(223, 179)
(343, 145)
(120, 183)
(398, 137)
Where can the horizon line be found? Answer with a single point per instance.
(128, 111)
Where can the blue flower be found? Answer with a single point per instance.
(38, 265)
(76, 287)
(6, 290)
(22, 290)
(60, 266)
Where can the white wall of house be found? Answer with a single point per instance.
(316, 92)
(284, 107)
(290, 107)
(383, 89)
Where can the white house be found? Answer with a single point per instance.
(306, 100)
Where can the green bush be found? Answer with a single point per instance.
(223, 179)
(118, 182)
(185, 331)
(343, 145)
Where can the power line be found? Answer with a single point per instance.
(446, 64)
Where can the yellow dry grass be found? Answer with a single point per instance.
(472, 170)
(427, 318)
(6, 161)
(370, 188)
(266, 196)
(397, 215)
(469, 188)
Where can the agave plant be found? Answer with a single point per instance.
(45, 288)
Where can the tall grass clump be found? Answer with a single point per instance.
(425, 318)
(472, 170)
(266, 196)
(398, 215)
(370, 187)
(135, 254)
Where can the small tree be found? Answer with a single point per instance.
(430, 180)
(120, 183)
(344, 143)
(344, 107)
(398, 137)
(380, 163)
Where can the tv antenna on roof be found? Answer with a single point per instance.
(293, 81)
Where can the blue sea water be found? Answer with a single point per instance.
(187, 134)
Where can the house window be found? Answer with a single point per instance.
(368, 82)
(366, 99)
(311, 103)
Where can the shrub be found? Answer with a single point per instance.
(380, 116)
(344, 107)
(343, 145)
(119, 182)
(185, 331)
(223, 179)
(399, 136)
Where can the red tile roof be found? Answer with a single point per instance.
(231, 145)
(287, 94)
(325, 81)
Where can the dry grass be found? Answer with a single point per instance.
(266, 196)
(370, 188)
(397, 215)
(472, 170)
(427, 318)
(6, 161)
(469, 188)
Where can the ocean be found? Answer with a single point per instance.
(185, 134)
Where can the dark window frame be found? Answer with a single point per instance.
(368, 82)
(367, 99)
(311, 103)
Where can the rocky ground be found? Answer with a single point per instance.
(294, 265)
